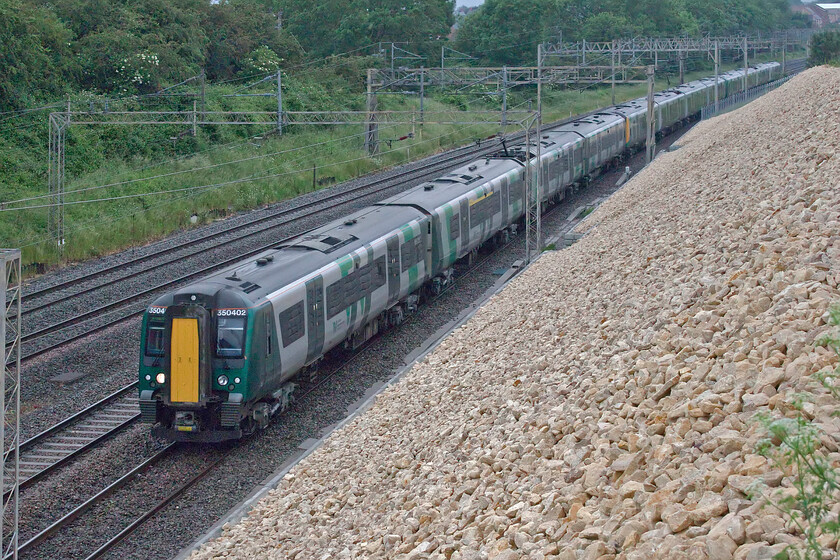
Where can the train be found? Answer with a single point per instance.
(220, 356)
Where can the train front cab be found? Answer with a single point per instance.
(183, 345)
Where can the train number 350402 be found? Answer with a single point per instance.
(231, 312)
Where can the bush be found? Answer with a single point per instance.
(825, 48)
(794, 445)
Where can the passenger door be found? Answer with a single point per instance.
(393, 244)
(315, 317)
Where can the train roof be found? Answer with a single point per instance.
(436, 193)
(640, 104)
(271, 270)
(586, 126)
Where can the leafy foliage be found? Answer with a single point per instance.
(33, 54)
(794, 444)
(523, 23)
(825, 48)
(330, 26)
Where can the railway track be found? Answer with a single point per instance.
(212, 459)
(146, 465)
(248, 230)
(155, 263)
(37, 301)
(67, 440)
(149, 464)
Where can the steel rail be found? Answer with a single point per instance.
(467, 151)
(429, 169)
(111, 543)
(90, 502)
(71, 419)
(134, 525)
(72, 450)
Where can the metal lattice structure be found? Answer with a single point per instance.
(185, 118)
(370, 119)
(651, 45)
(505, 76)
(624, 58)
(10, 296)
(58, 132)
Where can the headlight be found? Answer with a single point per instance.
(160, 378)
(237, 380)
(148, 377)
(222, 380)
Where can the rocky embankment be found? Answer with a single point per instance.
(603, 406)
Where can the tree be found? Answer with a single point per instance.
(236, 30)
(33, 54)
(505, 31)
(607, 26)
(333, 26)
(825, 48)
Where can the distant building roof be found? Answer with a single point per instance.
(830, 6)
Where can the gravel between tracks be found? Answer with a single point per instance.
(612, 416)
(258, 457)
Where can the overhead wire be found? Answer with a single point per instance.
(249, 179)
(115, 218)
(185, 171)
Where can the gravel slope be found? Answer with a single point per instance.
(603, 405)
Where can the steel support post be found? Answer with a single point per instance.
(392, 60)
(532, 202)
(422, 91)
(784, 57)
(195, 120)
(10, 296)
(203, 77)
(371, 127)
(623, 70)
(717, 77)
(504, 95)
(612, 71)
(651, 117)
(538, 245)
(58, 131)
(682, 67)
(279, 103)
(746, 65)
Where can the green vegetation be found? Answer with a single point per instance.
(794, 444)
(117, 55)
(224, 170)
(507, 31)
(825, 48)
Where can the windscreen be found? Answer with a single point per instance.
(154, 339)
(230, 342)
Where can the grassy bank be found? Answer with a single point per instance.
(181, 179)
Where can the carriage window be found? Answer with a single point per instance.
(411, 253)
(454, 227)
(292, 324)
(154, 339)
(335, 298)
(231, 339)
(379, 275)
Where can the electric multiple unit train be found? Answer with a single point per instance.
(219, 356)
